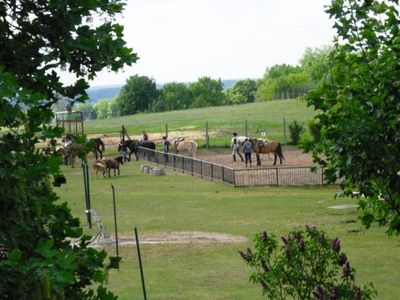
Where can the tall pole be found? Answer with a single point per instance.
(140, 264)
(87, 192)
(115, 221)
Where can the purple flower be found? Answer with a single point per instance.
(346, 269)
(342, 259)
(336, 245)
(284, 240)
(246, 256)
(335, 293)
(264, 266)
(357, 293)
(319, 292)
(264, 284)
(264, 236)
(288, 253)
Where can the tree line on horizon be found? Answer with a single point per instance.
(141, 94)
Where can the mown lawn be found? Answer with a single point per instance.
(178, 202)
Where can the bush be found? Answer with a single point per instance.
(295, 130)
(308, 265)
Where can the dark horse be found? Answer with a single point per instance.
(266, 148)
(96, 145)
(131, 145)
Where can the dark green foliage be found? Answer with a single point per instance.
(242, 91)
(206, 92)
(38, 39)
(174, 96)
(137, 95)
(359, 104)
(308, 265)
(295, 130)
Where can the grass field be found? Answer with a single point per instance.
(261, 117)
(178, 202)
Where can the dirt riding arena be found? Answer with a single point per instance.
(293, 158)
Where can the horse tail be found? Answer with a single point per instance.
(279, 151)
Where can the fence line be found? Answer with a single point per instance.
(236, 177)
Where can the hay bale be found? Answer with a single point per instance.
(157, 171)
(146, 169)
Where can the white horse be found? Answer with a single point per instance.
(239, 139)
(181, 144)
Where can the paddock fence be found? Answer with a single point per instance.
(236, 177)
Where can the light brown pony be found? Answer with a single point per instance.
(181, 144)
(261, 147)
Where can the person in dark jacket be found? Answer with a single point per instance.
(247, 150)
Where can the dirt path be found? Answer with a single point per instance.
(293, 158)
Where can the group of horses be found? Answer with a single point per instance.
(262, 147)
(180, 145)
(73, 148)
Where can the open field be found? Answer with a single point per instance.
(205, 269)
(222, 121)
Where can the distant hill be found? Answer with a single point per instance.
(107, 92)
(98, 93)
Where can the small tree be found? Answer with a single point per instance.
(295, 130)
(308, 265)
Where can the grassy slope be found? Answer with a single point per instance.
(177, 202)
(265, 116)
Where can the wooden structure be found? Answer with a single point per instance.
(72, 122)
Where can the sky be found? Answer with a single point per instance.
(183, 40)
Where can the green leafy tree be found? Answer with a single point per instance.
(106, 109)
(316, 62)
(307, 265)
(39, 38)
(359, 109)
(283, 81)
(175, 95)
(242, 91)
(207, 92)
(87, 110)
(137, 95)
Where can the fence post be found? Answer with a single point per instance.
(166, 130)
(284, 129)
(183, 164)
(207, 137)
(245, 127)
(115, 221)
(212, 171)
(277, 176)
(191, 166)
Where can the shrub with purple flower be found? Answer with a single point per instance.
(306, 265)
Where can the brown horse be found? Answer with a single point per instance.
(261, 147)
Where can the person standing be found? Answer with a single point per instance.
(247, 150)
(145, 136)
(235, 144)
(166, 144)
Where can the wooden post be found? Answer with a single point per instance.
(284, 130)
(245, 128)
(207, 137)
(166, 130)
